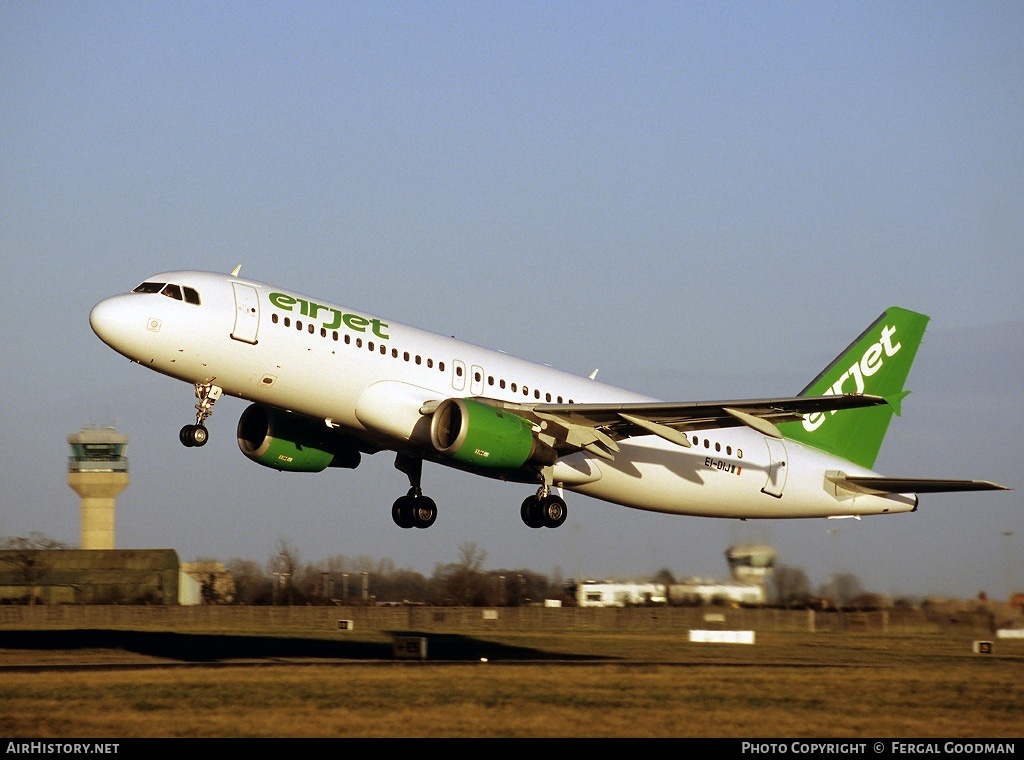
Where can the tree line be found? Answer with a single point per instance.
(284, 579)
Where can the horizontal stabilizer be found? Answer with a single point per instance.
(879, 485)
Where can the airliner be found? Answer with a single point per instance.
(329, 384)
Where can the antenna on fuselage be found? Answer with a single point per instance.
(594, 374)
(234, 272)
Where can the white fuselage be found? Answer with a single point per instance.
(370, 377)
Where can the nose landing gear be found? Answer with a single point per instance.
(198, 435)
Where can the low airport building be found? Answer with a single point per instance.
(94, 576)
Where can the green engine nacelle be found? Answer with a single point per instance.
(285, 441)
(480, 435)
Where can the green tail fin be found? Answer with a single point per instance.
(876, 363)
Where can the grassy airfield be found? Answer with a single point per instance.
(113, 684)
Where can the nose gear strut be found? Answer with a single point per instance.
(198, 435)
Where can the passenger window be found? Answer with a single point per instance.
(440, 366)
(172, 291)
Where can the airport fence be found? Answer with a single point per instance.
(477, 619)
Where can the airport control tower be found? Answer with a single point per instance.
(98, 472)
(751, 563)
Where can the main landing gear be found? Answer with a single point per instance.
(198, 435)
(544, 509)
(414, 510)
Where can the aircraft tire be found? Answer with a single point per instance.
(530, 512)
(193, 435)
(401, 512)
(553, 511)
(424, 512)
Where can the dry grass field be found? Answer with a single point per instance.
(109, 684)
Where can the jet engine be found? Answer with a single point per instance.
(286, 441)
(484, 436)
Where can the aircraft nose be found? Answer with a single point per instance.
(111, 320)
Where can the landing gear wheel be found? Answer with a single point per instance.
(424, 512)
(194, 435)
(530, 512)
(401, 512)
(412, 511)
(553, 511)
(543, 511)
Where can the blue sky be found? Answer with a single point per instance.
(703, 200)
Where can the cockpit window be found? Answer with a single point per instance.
(150, 287)
(169, 289)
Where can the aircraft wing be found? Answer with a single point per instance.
(597, 427)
